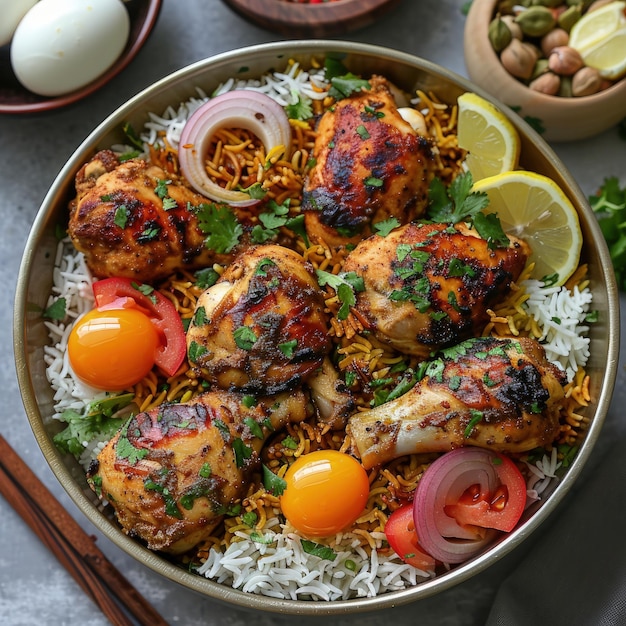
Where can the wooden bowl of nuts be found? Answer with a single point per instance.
(560, 64)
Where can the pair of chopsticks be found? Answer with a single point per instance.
(72, 546)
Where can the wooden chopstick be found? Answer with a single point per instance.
(72, 546)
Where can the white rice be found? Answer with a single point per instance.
(279, 566)
(561, 315)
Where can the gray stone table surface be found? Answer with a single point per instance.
(34, 588)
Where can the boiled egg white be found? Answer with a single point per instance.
(12, 11)
(60, 46)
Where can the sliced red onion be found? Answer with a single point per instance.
(245, 109)
(445, 480)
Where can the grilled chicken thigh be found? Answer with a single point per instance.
(370, 164)
(262, 327)
(430, 285)
(488, 392)
(172, 472)
(132, 219)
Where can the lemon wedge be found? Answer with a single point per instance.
(592, 28)
(609, 56)
(535, 209)
(491, 140)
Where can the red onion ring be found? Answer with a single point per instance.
(250, 110)
(443, 483)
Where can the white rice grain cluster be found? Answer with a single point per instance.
(561, 313)
(278, 566)
(71, 281)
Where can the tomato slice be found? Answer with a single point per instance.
(500, 508)
(401, 535)
(125, 293)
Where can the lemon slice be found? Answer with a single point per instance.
(594, 27)
(489, 137)
(609, 56)
(535, 209)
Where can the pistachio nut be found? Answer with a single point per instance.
(553, 39)
(565, 61)
(536, 21)
(586, 81)
(505, 7)
(565, 90)
(519, 59)
(568, 18)
(541, 67)
(513, 26)
(499, 34)
(547, 83)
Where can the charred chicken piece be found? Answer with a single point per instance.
(370, 165)
(262, 327)
(501, 394)
(170, 473)
(133, 219)
(430, 285)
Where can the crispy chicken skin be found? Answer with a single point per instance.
(501, 394)
(118, 220)
(172, 472)
(370, 164)
(262, 327)
(430, 285)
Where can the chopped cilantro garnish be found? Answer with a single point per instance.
(220, 225)
(273, 484)
(242, 452)
(56, 311)
(346, 285)
(244, 337)
(288, 348)
(386, 226)
(475, 418)
(206, 278)
(301, 108)
(195, 351)
(121, 216)
(317, 549)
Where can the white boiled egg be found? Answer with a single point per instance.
(12, 11)
(62, 45)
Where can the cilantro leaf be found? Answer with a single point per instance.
(100, 420)
(56, 311)
(386, 226)
(317, 549)
(457, 202)
(346, 85)
(346, 285)
(273, 483)
(220, 225)
(301, 108)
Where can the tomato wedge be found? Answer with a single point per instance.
(124, 293)
(499, 508)
(401, 535)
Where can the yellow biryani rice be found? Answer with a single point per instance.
(238, 159)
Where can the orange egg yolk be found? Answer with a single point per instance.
(326, 492)
(112, 349)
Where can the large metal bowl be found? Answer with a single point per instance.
(35, 281)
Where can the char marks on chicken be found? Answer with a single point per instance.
(496, 393)
(171, 473)
(262, 327)
(370, 165)
(431, 285)
(135, 220)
